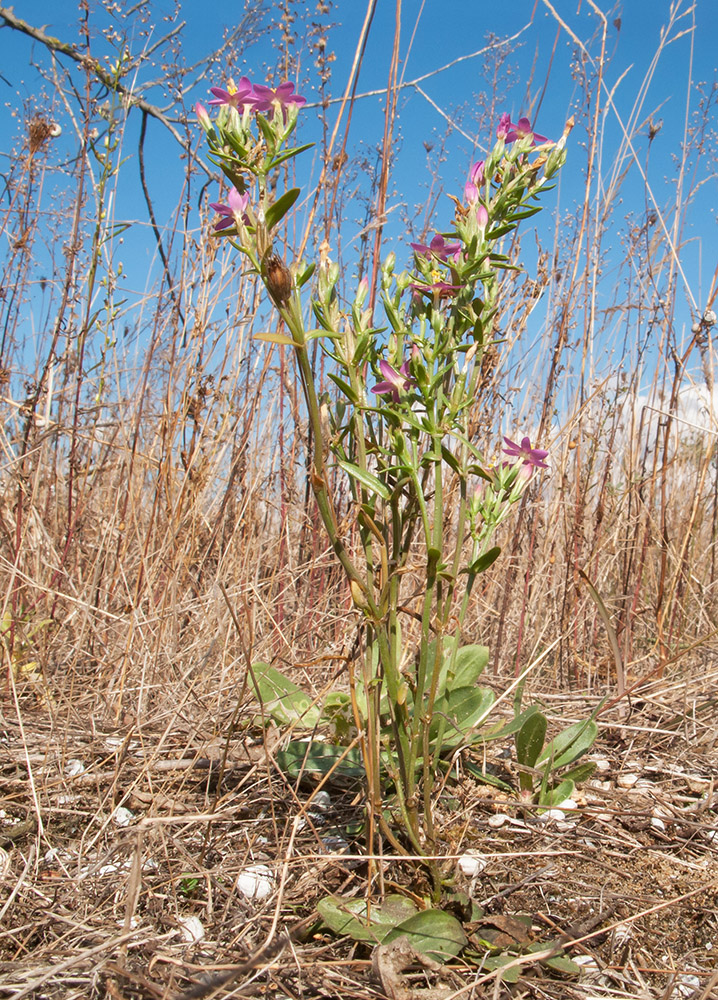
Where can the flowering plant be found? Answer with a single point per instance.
(399, 429)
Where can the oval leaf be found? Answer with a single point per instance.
(530, 739)
(282, 699)
(316, 758)
(434, 933)
(468, 666)
(349, 916)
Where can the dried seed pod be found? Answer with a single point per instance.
(277, 278)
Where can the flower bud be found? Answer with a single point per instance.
(482, 218)
(204, 119)
(471, 193)
(362, 292)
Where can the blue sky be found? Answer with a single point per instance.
(439, 44)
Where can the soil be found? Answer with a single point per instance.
(122, 849)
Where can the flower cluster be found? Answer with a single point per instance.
(256, 97)
(244, 99)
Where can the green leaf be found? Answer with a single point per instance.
(580, 772)
(487, 777)
(288, 154)
(366, 479)
(558, 794)
(345, 388)
(349, 916)
(481, 564)
(502, 729)
(434, 933)
(283, 700)
(570, 744)
(451, 460)
(303, 278)
(275, 338)
(494, 962)
(462, 709)
(530, 739)
(562, 963)
(469, 664)
(316, 758)
(276, 211)
(268, 134)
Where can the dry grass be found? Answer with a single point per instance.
(157, 535)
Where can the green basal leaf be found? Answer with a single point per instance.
(461, 710)
(509, 728)
(562, 963)
(278, 209)
(558, 794)
(530, 739)
(366, 478)
(350, 916)
(282, 699)
(580, 773)
(433, 933)
(312, 758)
(574, 741)
(469, 663)
(494, 962)
(486, 777)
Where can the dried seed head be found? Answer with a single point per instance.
(277, 277)
(39, 130)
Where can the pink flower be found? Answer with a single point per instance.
(438, 248)
(533, 457)
(393, 380)
(504, 125)
(235, 97)
(522, 130)
(436, 289)
(476, 178)
(284, 96)
(482, 217)
(233, 212)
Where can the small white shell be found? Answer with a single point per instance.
(191, 929)
(471, 863)
(256, 882)
(122, 816)
(686, 986)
